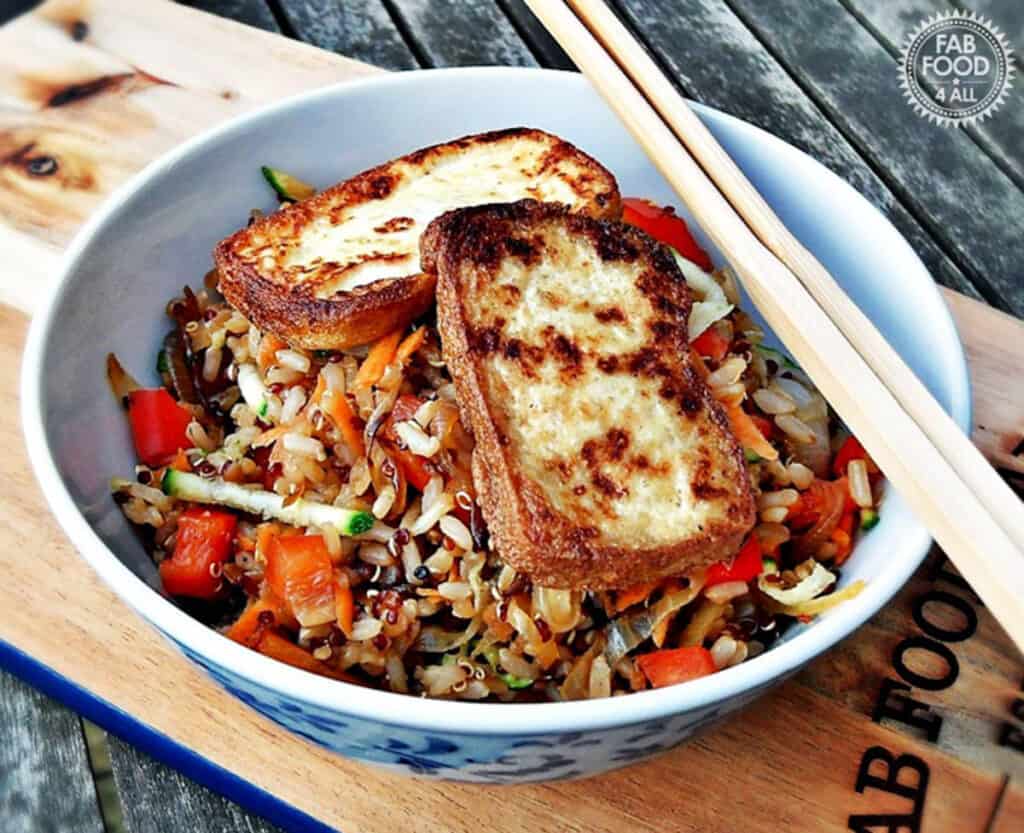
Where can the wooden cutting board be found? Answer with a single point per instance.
(914, 723)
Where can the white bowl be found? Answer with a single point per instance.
(156, 234)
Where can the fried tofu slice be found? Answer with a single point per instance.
(601, 458)
(342, 268)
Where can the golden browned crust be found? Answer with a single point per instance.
(289, 299)
(528, 531)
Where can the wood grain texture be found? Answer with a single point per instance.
(717, 60)
(1000, 137)
(453, 33)
(158, 799)
(250, 12)
(363, 31)
(544, 47)
(949, 183)
(79, 117)
(991, 341)
(45, 780)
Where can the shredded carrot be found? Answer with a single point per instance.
(247, 624)
(269, 346)
(748, 434)
(661, 629)
(270, 436)
(503, 631)
(842, 537)
(411, 344)
(265, 534)
(344, 605)
(336, 406)
(634, 595)
(246, 543)
(548, 654)
(277, 647)
(180, 461)
(381, 355)
(318, 391)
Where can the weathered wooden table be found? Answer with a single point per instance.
(798, 68)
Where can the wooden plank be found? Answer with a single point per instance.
(45, 779)
(158, 799)
(999, 136)
(250, 12)
(12, 8)
(544, 47)
(957, 192)
(143, 100)
(990, 340)
(715, 59)
(364, 31)
(462, 33)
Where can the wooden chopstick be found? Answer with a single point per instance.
(984, 544)
(901, 381)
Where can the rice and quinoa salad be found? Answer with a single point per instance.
(318, 507)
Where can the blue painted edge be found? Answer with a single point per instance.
(157, 744)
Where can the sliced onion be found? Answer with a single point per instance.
(830, 497)
(559, 608)
(809, 588)
(577, 682)
(814, 607)
(177, 367)
(818, 454)
(121, 381)
(625, 633)
(435, 640)
(712, 305)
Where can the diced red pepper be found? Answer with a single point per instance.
(804, 512)
(203, 545)
(299, 572)
(413, 467)
(849, 450)
(676, 665)
(745, 566)
(158, 425)
(665, 226)
(711, 345)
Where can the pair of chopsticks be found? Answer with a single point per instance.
(971, 512)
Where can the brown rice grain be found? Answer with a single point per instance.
(783, 497)
(859, 484)
(773, 402)
(293, 360)
(775, 514)
(722, 651)
(795, 429)
(457, 531)
(801, 475)
(725, 592)
(211, 363)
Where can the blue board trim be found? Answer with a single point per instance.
(157, 744)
